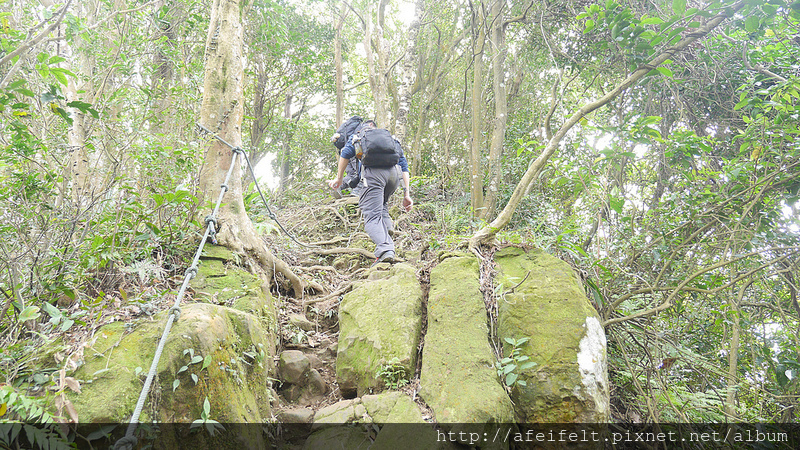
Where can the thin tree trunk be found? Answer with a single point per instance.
(498, 40)
(337, 59)
(409, 73)
(476, 139)
(286, 152)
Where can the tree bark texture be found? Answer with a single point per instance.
(499, 50)
(476, 140)
(222, 112)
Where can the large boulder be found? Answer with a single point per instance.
(213, 352)
(458, 380)
(380, 324)
(542, 299)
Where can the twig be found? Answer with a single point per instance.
(343, 290)
(340, 250)
(518, 284)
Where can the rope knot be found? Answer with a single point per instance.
(191, 271)
(127, 442)
(176, 311)
(238, 150)
(212, 219)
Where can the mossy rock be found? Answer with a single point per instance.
(380, 321)
(221, 281)
(387, 421)
(458, 379)
(548, 305)
(235, 382)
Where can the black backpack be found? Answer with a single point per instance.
(345, 131)
(376, 147)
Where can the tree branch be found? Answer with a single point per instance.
(27, 45)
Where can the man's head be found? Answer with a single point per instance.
(370, 124)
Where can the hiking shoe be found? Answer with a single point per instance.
(386, 257)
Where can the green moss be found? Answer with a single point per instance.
(379, 321)
(458, 381)
(234, 382)
(547, 305)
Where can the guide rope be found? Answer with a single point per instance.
(258, 188)
(129, 441)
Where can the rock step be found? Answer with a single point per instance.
(458, 380)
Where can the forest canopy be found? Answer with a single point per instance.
(653, 145)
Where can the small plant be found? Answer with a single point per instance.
(27, 416)
(393, 374)
(506, 367)
(193, 359)
(212, 426)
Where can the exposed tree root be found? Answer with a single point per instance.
(342, 250)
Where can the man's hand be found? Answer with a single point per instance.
(407, 203)
(335, 183)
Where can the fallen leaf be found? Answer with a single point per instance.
(73, 384)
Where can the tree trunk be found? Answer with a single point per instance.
(476, 140)
(286, 148)
(221, 112)
(337, 60)
(78, 171)
(487, 234)
(409, 72)
(498, 40)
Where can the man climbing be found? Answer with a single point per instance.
(382, 162)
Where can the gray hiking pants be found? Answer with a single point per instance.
(380, 184)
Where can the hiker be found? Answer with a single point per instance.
(343, 134)
(382, 162)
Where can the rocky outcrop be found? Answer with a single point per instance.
(548, 305)
(214, 352)
(458, 379)
(380, 323)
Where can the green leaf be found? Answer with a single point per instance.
(175, 385)
(510, 379)
(29, 313)
(196, 359)
(183, 369)
(509, 368)
(52, 311)
(616, 203)
(664, 71)
(751, 24)
(206, 407)
(66, 325)
(527, 365)
(59, 75)
(678, 6)
(194, 378)
(741, 104)
(103, 432)
(206, 362)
